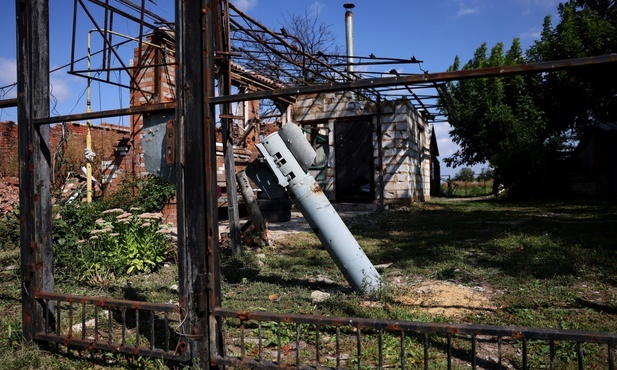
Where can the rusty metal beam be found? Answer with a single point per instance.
(370, 83)
(109, 302)
(152, 108)
(8, 103)
(34, 162)
(429, 327)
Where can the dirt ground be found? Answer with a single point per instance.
(437, 297)
(446, 298)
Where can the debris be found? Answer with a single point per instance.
(319, 296)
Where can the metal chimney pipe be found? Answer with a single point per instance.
(349, 37)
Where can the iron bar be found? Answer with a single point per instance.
(449, 352)
(402, 350)
(473, 352)
(317, 331)
(108, 302)
(380, 341)
(260, 343)
(96, 323)
(297, 344)
(338, 347)
(424, 78)
(454, 329)
(579, 355)
(499, 353)
(129, 16)
(114, 348)
(524, 353)
(152, 339)
(135, 84)
(278, 343)
(8, 103)
(426, 346)
(153, 108)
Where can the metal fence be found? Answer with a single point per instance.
(263, 340)
(120, 326)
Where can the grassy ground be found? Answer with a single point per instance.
(538, 263)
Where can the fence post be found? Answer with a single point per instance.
(34, 161)
(196, 179)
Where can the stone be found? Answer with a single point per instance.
(318, 296)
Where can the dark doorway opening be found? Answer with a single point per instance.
(354, 160)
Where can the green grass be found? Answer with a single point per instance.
(550, 263)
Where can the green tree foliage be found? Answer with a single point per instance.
(498, 119)
(521, 124)
(465, 174)
(575, 98)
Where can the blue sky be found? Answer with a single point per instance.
(433, 31)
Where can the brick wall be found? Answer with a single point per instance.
(110, 166)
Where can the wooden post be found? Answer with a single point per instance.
(251, 203)
(198, 266)
(224, 83)
(34, 163)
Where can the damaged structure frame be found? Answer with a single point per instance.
(201, 324)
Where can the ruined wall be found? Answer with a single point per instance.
(110, 165)
(8, 149)
(323, 110)
(406, 153)
(405, 139)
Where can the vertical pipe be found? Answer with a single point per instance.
(379, 134)
(349, 37)
(89, 133)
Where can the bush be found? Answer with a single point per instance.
(102, 240)
(150, 194)
(9, 231)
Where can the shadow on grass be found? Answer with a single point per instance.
(535, 239)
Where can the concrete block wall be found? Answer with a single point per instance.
(406, 153)
(405, 143)
(325, 109)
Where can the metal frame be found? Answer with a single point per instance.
(204, 59)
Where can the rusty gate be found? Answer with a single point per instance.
(198, 328)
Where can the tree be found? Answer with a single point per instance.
(299, 54)
(466, 174)
(575, 99)
(316, 38)
(498, 119)
(522, 124)
(485, 174)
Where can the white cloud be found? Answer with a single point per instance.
(445, 144)
(245, 5)
(529, 6)
(8, 76)
(59, 89)
(467, 8)
(532, 34)
(316, 7)
(8, 71)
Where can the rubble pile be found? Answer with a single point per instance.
(9, 194)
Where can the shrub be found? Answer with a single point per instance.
(9, 230)
(150, 194)
(101, 240)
